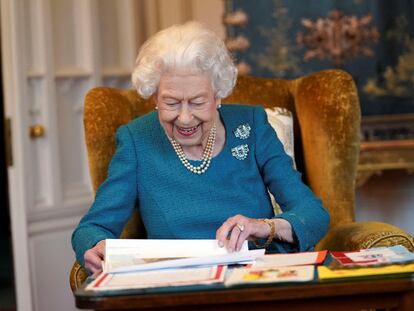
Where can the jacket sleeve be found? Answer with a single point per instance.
(114, 200)
(300, 207)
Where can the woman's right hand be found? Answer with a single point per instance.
(94, 256)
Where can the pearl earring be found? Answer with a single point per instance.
(218, 106)
(156, 107)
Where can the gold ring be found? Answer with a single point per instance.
(241, 227)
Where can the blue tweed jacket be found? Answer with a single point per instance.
(145, 173)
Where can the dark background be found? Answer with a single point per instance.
(280, 20)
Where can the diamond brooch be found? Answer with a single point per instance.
(242, 131)
(240, 152)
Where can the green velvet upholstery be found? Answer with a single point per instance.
(326, 116)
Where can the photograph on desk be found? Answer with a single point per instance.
(270, 275)
(325, 273)
(391, 261)
(372, 257)
(158, 278)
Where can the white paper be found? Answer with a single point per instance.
(123, 255)
(283, 260)
(225, 259)
(159, 248)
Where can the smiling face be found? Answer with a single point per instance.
(187, 107)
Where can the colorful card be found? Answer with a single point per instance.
(270, 275)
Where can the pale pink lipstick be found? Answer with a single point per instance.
(187, 131)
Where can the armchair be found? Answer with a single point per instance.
(326, 120)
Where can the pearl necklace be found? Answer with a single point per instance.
(207, 153)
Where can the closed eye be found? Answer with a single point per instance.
(172, 103)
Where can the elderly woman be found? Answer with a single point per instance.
(196, 169)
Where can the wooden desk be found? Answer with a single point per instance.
(394, 294)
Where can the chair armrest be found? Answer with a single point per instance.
(78, 275)
(363, 235)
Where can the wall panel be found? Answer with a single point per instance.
(33, 37)
(64, 34)
(41, 177)
(109, 26)
(69, 98)
(50, 267)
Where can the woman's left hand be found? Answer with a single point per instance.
(239, 229)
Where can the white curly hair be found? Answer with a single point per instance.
(190, 46)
